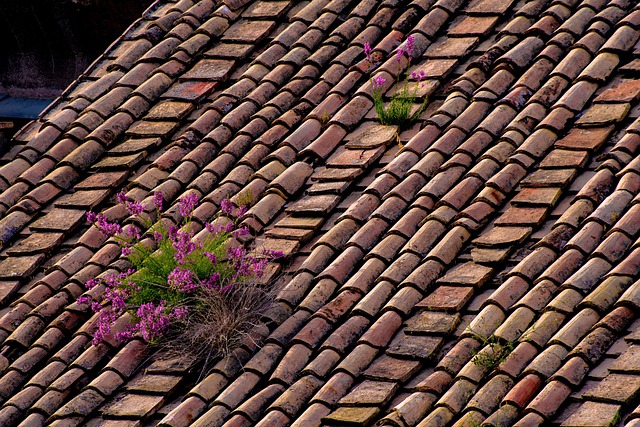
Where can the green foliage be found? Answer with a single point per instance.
(498, 351)
(398, 111)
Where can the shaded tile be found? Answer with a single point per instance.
(100, 180)
(470, 274)
(148, 383)
(265, 9)
(355, 158)
(132, 405)
(35, 243)
(565, 159)
(414, 346)
(437, 68)
(447, 298)
(624, 90)
(451, 47)
(230, 50)
(482, 7)
(190, 90)
(210, 69)
(169, 110)
(19, 266)
(352, 416)
(87, 199)
(246, 31)
(392, 369)
(319, 205)
(585, 138)
(472, 26)
(519, 216)
(549, 178)
(503, 236)
(593, 414)
(604, 114)
(376, 393)
(119, 162)
(615, 388)
(372, 136)
(537, 197)
(431, 322)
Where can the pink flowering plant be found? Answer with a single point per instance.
(191, 294)
(398, 111)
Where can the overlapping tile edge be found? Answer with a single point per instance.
(394, 251)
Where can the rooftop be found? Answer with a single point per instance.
(481, 267)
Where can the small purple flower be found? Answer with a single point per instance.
(157, 236)
(85, 299)
(128, 333)
(122, 198)
(133, 232)
(134, 208)
(418, 76)
(410, 45)
(212, 228)
(213, 281)
(240, 211)
(273, 254)
(153, 321)
(173, 232)
(240, 232)
(187, 204)
(182, 279)
(399, 54)
(378, 82)
(126, 251)
(183, 246)
(158, 199)
(367, 50)
(91, 217)
(212, 257)
(91, 283)
(226, 206)
(179, 312)
(107, 228)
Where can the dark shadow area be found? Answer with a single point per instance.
(46, 44)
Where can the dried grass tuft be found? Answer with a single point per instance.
(219, 324)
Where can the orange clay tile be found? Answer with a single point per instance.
(489, 218)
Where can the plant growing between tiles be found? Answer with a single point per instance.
(194, 298)
(398, 111)
(495, 351)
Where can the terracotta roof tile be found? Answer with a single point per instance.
(405, 216)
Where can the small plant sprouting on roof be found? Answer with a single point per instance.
(398, 112)
(196, 298)
(497, 353)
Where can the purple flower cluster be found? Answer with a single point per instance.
(107, 228)
(158, 199)
(418, 76)
(187, 204)
(134, 208)
(399, 110)
(408, 49)
(226, 206)
(183, 280)
(117, 291)
(182, 244)
(367, 51)
(154, 321)
(378, 82)
(188, 267)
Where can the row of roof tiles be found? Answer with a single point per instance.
(418, 191)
